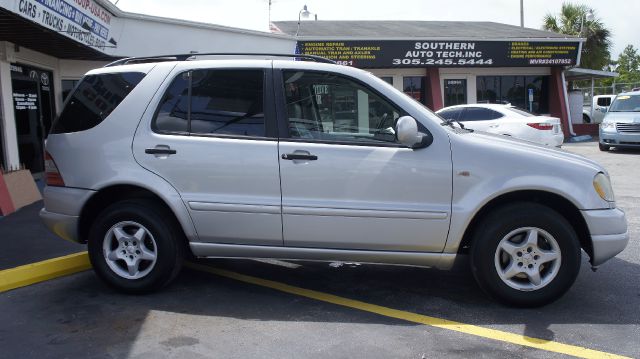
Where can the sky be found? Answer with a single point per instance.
(620, 16)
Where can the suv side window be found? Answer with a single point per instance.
(328, 107)
(173, 110)
(479, 114)
(214, 102)
(95, 97)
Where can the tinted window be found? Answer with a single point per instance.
(172, 112)
(604, 101)
(227, 102)
(452, 114)
(324, 106)
(94, 99)
(479, 114)
(67, 87)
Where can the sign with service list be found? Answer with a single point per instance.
(82, 20)
(403, 53)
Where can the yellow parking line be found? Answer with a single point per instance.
(40, 271)
(494, 334)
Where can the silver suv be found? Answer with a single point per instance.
(152, 159)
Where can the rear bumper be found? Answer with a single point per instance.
(63, 225)
(61, 212)
(609, 235)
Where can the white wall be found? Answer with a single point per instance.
(143, 37)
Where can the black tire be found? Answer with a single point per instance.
(603, 147)
(586, 119)
(167, 241)
(511, 218)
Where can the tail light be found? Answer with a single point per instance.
(541, 126)
(53, 176)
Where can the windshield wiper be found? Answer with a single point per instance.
(449, 122)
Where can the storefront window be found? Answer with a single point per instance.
(415, 86)
(515, 90)
(387, 79)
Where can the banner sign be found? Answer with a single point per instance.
(403, 53)
(82, 20)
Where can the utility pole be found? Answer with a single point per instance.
(521, 13)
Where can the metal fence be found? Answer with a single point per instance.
(614, 89)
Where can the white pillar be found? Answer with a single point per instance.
(7, 117)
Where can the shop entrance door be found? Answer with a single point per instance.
(34, 108)
(29, 127)
(455, 92)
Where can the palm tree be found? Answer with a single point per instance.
(595, 51)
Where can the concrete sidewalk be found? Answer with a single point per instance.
(24, 239)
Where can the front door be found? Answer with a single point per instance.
(28, 114)
(346, 182)
(209, 137)
(455, 92)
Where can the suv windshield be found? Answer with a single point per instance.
(626, 103)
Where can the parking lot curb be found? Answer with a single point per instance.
(41, 271)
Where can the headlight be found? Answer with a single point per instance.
(602, 185)
(605, 125)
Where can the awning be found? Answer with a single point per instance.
(576, 74)
(25, 33)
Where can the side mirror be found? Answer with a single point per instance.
(408, 135)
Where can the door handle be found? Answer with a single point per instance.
(160, 151)
(299, 156)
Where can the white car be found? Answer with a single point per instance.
(507, 120)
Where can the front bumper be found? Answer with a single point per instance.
(614, 138)
(609, 235)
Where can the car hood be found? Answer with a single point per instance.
(623, 117)
(505, 146)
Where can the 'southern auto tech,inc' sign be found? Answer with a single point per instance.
(403, 53)
(68, 16)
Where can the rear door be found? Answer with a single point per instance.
(346, 182)
(210, 132)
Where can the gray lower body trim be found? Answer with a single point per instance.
(214, 250)
(607, 246)
(63, 225)
(373, 213)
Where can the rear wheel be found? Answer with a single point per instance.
(134, 248)
(603, 147)
(525, 255)
(586, 119)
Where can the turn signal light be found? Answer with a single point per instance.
(541, 126)
(53, 176)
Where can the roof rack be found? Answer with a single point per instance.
(185, 57)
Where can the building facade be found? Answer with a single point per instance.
(444, 63)
(46, 47)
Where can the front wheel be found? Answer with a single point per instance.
(525, 255)
(603, 147)
(134, 248)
